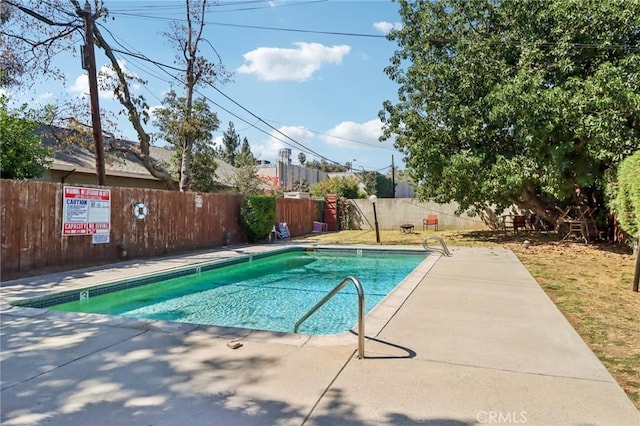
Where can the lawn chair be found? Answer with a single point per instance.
(319, 227)
(281, 231)
(519, 222)
(513, 223)
(432, 219)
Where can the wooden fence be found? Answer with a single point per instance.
(31, 226)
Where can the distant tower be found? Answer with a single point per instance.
(285, 164)
(285, 155)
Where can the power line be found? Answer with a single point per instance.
(162, 67)
(381, 36)
(217, 7)
(341, 138)
(298, 30)
(270, 126)
(260, 27)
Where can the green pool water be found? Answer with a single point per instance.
(270, 293)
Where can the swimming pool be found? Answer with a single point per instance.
(261, 292)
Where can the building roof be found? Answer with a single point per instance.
(77, 155)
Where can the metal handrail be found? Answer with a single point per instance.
(360, 310)
(444, 249)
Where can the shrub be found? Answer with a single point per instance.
(346, 187)
(23, 156)
(626, 204)
(258, 214)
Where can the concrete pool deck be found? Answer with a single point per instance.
(476, 342)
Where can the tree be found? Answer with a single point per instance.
(230, 145)
(302, 158)
(523, 102)
(247, 181)
(325, 166)
(203, 168)
(246, 156)
(39, 30)
(11, 64)
(32, 33)
(384, 186)
(199, 123)
(22, 155)
(300, 186)
(343, 187)
(43, 29)
(258, 214)
(198, 70)
(370, 181)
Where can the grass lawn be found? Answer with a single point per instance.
(590, 284)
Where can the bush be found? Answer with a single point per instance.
(23, 156)
(346, 187)
(258, 214)
(627, 201)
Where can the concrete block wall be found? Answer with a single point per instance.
(393, 212)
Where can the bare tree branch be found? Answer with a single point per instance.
(40, 17)
(124, 96)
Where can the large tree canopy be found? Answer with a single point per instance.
(515, 102)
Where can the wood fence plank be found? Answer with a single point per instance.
(31, 220)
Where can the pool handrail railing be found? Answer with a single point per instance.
(332, 293)
(444, 250)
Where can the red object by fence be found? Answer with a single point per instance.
(331, 212)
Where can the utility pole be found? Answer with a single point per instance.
(90, 65)
(393, 178)
(636, 277)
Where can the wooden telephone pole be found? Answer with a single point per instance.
(89, 64)
(636, 276)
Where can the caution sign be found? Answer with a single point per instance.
(85, 211)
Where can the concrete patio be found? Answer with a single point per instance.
(476, 342)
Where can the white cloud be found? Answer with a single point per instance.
(299, 64)
(44, 97)
(349, 134)
(80, 85)
(154, 108)
(269, 149)
(385, 27)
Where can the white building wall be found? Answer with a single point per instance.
(288, 173)
(393, 212)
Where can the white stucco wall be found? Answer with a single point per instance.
(393, 212)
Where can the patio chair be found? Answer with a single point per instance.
(512, 223)
(319, 227)
(281, 231)
(431, 219)
(519, 222)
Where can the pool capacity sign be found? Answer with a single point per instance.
(86, 211)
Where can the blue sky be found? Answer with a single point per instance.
(322, 90)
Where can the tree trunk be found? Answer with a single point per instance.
(124, 96)
(530, 201)
(190, 52)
